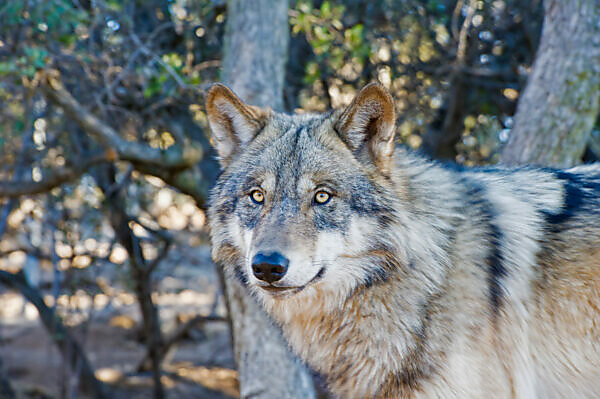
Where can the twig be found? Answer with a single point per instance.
(162, 234)
(206, 64)
(161, 256)
(464, 30)
(142, 47)
(110, 86)
(114, 188)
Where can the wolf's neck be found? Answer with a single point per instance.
(355, 344)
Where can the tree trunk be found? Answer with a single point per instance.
(255, 53)
(255, 50)
(559, 106)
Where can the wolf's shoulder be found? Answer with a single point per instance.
(590, 170)
(559, 194)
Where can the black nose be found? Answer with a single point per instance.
(269, 267)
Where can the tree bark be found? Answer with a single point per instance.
(255, 53)
(559, 106)
(255, 50)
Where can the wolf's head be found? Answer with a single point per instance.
(302, 197)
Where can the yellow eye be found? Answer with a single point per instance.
(257, 196)
(322, 197)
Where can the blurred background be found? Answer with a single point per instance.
(106, 284)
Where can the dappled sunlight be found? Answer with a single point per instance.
(14, 309)
(122, 321)
(12, 305)
(172, 218)
(185, 297)
(215, 378)
(118, 254)
(14, 261)
(417, 51)
(109, 375)
(110, 323)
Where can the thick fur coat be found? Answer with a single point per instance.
(399, 277)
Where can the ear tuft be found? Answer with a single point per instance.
(234, 124)
(368, 124)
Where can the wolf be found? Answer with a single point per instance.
(395, 276)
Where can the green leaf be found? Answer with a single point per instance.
(325, 9)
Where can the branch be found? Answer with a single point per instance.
(12, 189)
(35, 252)
(455, 15)
(140, 273)
(462, 35)
(141, 46)
(161, 256)
(177, 336)
(189, 181)
(110, 87)
(440, 142)
(172, 158)
(68, 346)
(174, 165)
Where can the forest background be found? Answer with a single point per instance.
(106, 285)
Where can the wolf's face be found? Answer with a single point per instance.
(301, 196)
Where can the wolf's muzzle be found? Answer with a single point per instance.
(269, 267)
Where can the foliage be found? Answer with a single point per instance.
(411, 47)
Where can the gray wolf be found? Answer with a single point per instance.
(398, 277)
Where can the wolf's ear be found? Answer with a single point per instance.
(233, 123)
(369, 124)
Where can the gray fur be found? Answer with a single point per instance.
(441, 281)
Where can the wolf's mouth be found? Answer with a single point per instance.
(274, 288)
(281, 291)
(291, 290)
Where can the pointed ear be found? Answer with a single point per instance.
(368, 124)
(233, 123)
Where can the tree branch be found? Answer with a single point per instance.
(36, 252)
(189, 181)
(178, 335)
(441, 142)
(161, 256)
(175, 157)
(70, 349)
(55, 178)
(174, 165)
